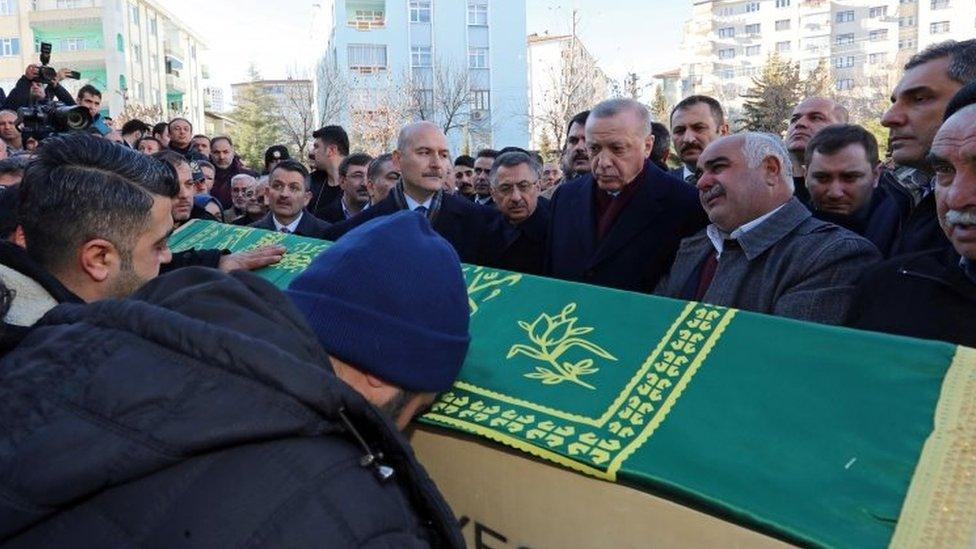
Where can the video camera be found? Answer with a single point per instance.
(48, 117)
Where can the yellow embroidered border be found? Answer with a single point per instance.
(940, 509)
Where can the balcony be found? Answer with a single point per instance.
(80, 60)
(365, 15)
(175, 84)
(64, 13)
(175, 50)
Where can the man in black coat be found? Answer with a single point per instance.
(620, 226)
(202, 412)
(422, 158)
(523, 226)
(933, 294)
(288, 195)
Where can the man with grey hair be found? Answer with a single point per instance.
(918, 103)
(620, 225)
(763, 250)
(524, 223)
(422, 159)
(241, 190)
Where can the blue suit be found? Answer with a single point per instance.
(641, 244)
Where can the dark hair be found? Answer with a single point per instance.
(198, 136)
(9, 202)
(833, 138)
(147, 138)
(15, 164)
(177, 119)
(221, 138)
(464, 160)
(963, 98)
(373, 171)
(357, 159)
(580, 119)
(172, 158)
(512, 159)
(293, 166)
(334, 135)
(487, 153)
(206, 164)
(79, 187)
(962, 63)
(158, 128)
(133, 126)
(718, 114)
(662, 140)
(88, 89)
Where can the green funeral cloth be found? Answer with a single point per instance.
(810, 433)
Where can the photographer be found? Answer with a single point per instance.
(28, 87)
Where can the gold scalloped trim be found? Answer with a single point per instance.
(940, 509)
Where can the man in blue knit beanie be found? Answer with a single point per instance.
(389, 305)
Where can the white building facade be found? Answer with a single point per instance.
(864, 42)
(133, 51)
(438, 47)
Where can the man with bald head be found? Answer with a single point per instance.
(763, 251)
(620, 225)
(932, 294)
(422, 159)
(809, 117)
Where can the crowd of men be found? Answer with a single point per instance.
(111, 341)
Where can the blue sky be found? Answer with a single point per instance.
(624, 35)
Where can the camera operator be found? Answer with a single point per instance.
(28, 87)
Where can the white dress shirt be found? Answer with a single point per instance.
(291, 226)
(413, 204)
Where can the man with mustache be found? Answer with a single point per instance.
(620, 225)
(764, 251)
(352, 180)
(464, 176)
(696, 121)
(932, 294)
(422, 158)
(575, 160)
(289, 193)
(524, 223)
(482, 167)
(918, 104)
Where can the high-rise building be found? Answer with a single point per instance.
(134, 51)
(459, 64)
(863, 42)
(564, 79)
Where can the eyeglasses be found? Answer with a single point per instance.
(248, 193)
(523, 187)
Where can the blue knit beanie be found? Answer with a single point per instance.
(389, 299)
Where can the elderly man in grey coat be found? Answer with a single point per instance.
(763, 251)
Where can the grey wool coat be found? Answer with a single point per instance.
(789, 265)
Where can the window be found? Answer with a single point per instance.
(752, 6)
(420, 11)
(940, 27)
(367, 58)
(134, 14)
(478, 12)
(8, 7)
(753, 28)
(753, 50)
(69, 4)
(878, 35)
(477, 58)
(877, 58)
(783, 47)
(119, 42)
(907, 44)
(9, 47)
(420, 56)
(879, 11)
(907, 21)
(940, 4)
(726, 32)
(152, 26)
(843, 62)
(480, 100)
(728, 53)
(727, 74)
(726, 11)
(73, 44)
(845, 84)
(136, 53)
(845, 16)
(783, 24)
(844, 39)
(782, 3)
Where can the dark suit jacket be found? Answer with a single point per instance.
(332, 212)
(309, 226)
(467, 226)
(678, 173)
(522, 247)
(640, 246)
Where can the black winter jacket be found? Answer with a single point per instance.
(200, 413)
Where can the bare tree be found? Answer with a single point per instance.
(296, 111)
(377, 114)
(333, 93)
(440, 94)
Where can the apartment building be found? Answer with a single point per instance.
(437, 47)
(134, 51)
(864, 42)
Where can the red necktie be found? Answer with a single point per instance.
(708, 268)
